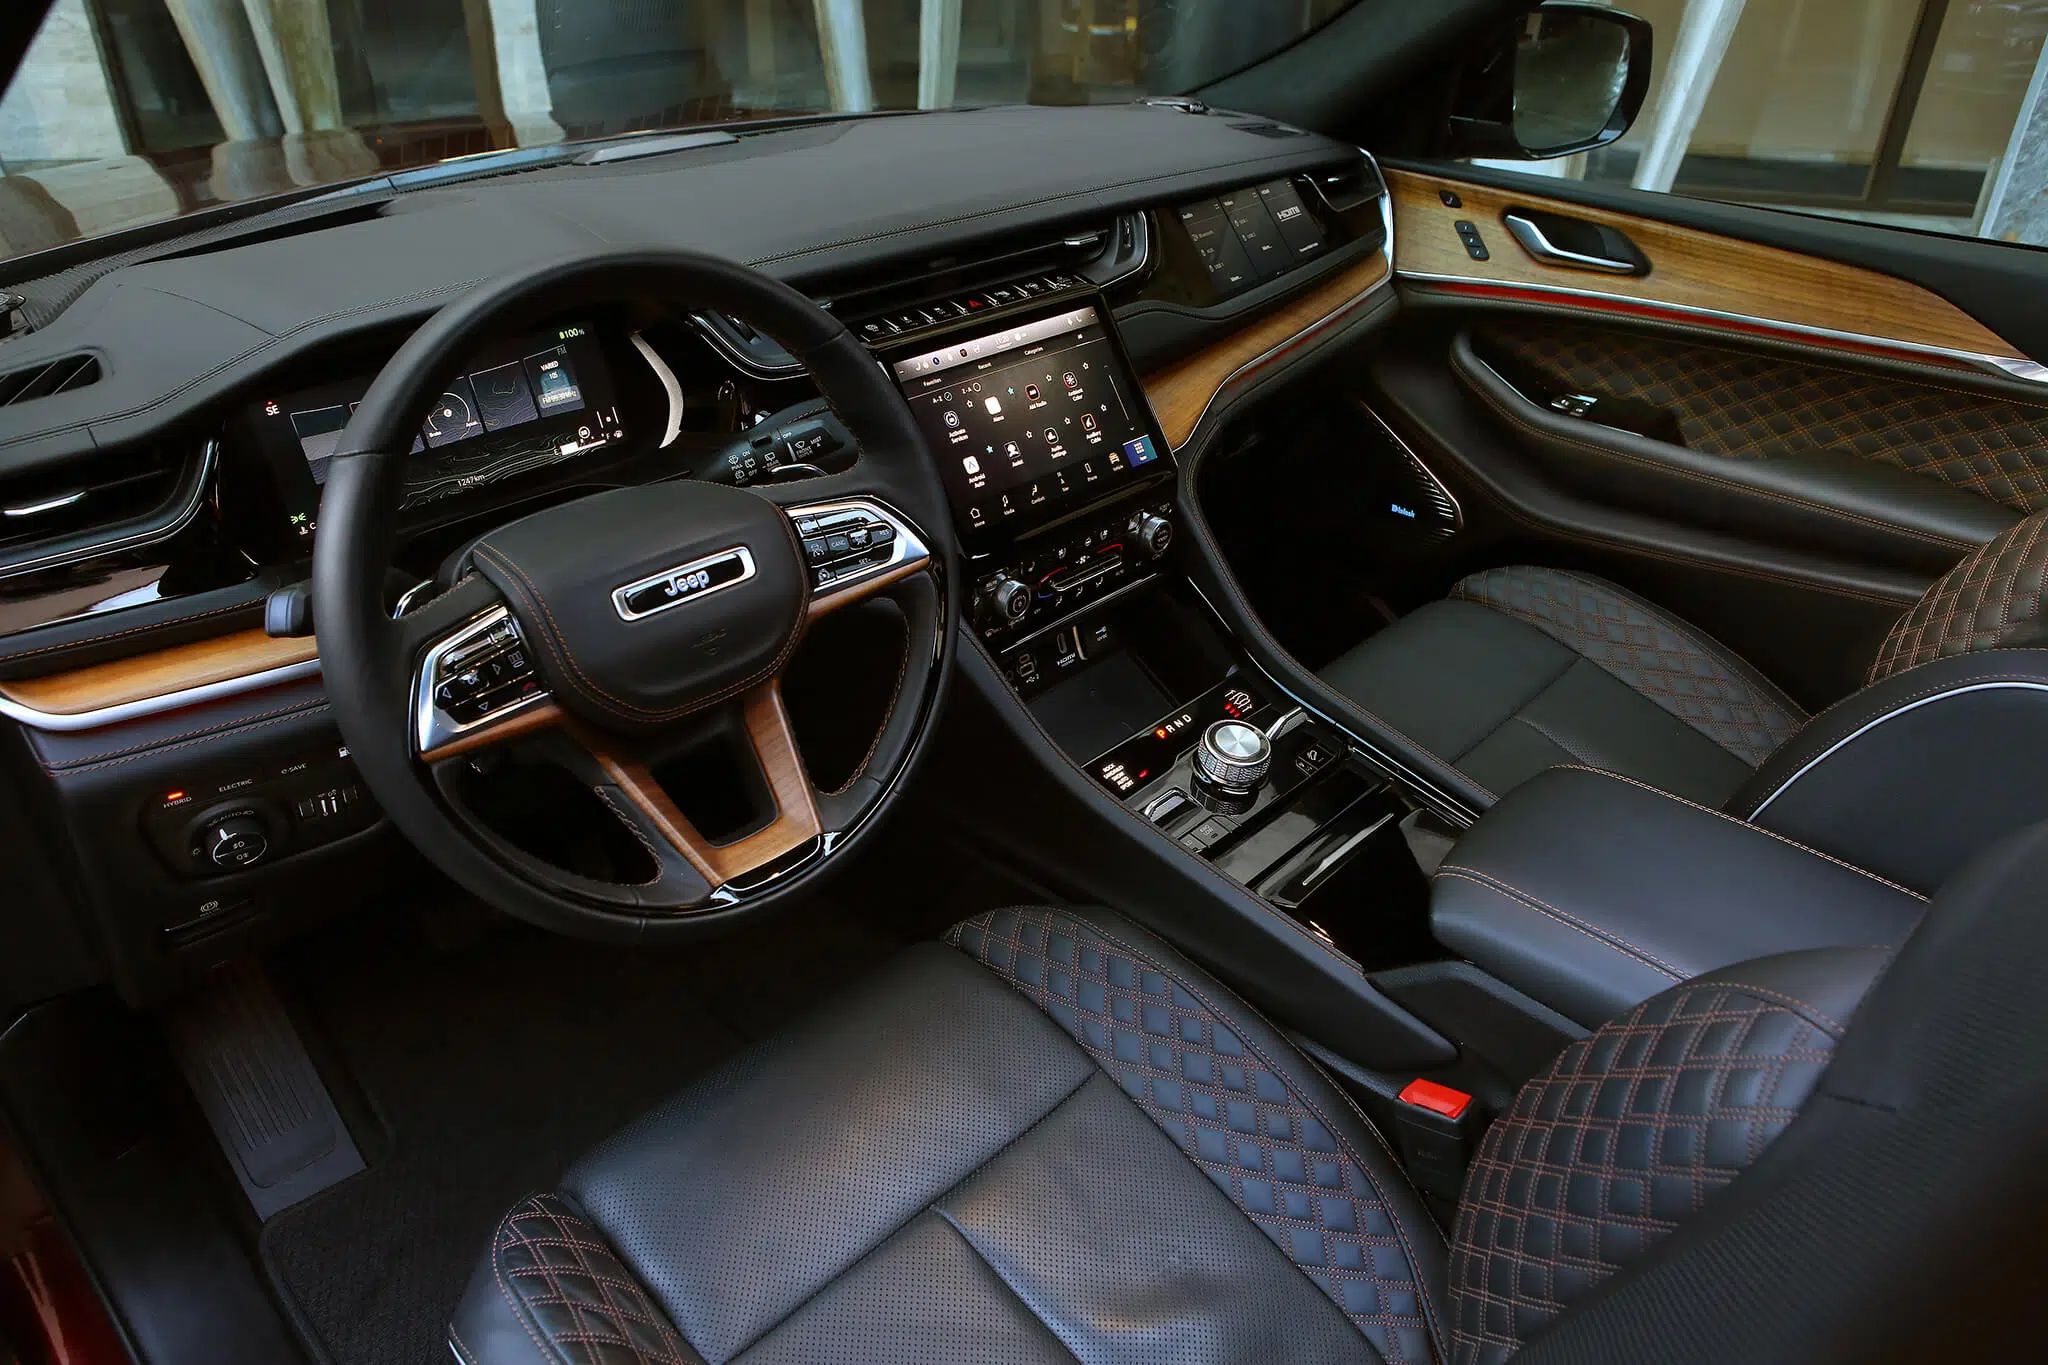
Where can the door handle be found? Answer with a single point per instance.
(1541, 244)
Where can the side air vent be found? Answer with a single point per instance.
(47, 378)
(1353, 187)
(99, 505)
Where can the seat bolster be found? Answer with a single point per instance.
(1632, 1129)
(552, 1291)
(1914, 775)
(1241, 1102)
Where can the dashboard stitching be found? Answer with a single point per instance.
(186, 741)
(251, 604)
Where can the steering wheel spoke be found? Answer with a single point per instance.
(855, 548)
(794, 829)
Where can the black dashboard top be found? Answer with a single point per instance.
(176, 335)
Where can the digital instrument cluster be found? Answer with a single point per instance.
(520, 405)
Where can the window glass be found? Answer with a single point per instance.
(128, 111)
(1917, 113)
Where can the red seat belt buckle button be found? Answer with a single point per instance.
(1438, 1099)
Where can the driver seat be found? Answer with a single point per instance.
(1053, 1138)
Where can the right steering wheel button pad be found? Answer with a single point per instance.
(850, 541)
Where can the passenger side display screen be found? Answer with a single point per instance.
(1028, 420)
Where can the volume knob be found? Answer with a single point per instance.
(1154, 533)
(1009, 601)
(1234, 755)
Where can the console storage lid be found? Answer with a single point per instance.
(1591, 893)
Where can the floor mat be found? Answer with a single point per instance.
(492, 1068)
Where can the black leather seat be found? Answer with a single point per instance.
(1523, 669)
(1054, 1139)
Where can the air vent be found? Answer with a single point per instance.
(887, 306)
(87, 507)
(1353, 187)
(49, 377)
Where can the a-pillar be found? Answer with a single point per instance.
(2016, 205)
(1697, 50)
(843, 42)
(938, 53)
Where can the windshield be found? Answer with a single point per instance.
(127, 112)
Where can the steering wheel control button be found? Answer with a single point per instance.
(482, 671)
(852, 541)
(1234, 756)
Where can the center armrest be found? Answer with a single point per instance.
(1592, 893)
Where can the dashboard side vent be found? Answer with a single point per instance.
(87, 507)
(47, 378)
(1353, 187)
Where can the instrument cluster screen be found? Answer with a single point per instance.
(1029, 419)
(518, 405)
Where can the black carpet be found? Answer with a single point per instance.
(491, 1068)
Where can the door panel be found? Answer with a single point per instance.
(1785, 446)
(1695, 278)
(1753, 407)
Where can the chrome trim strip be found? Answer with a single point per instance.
(669, 385)
(678, 594)
(1457, 508)
(1533, 240)
(2004, 367)
(156, 706)
(910, 542)
(1866, 728)
(433, 727)
(202, 485)
(36, 509)
(1339, 314)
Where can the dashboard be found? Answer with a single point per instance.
(1063, 311)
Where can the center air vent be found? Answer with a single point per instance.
(48, 377)
(87, 507)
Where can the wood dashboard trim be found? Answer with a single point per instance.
(160, 675)
(1698, 278)
(1182, 393)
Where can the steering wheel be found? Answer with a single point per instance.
(607, 630)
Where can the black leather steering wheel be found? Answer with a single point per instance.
(607, 624)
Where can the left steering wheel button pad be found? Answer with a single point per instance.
(482, 671)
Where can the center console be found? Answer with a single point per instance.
(1063, 490)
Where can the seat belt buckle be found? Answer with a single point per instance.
(1436, 1127)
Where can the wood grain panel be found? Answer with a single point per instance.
(158, 674)
(1182, 393)
(774, 741)
(1690, 270)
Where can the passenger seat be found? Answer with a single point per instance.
(1523, 669)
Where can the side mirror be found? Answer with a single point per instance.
(1567, 77)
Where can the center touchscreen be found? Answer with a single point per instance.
(1025, 420)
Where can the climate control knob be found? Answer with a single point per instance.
(1154, 533)
(1009, 602)
(236, 842)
